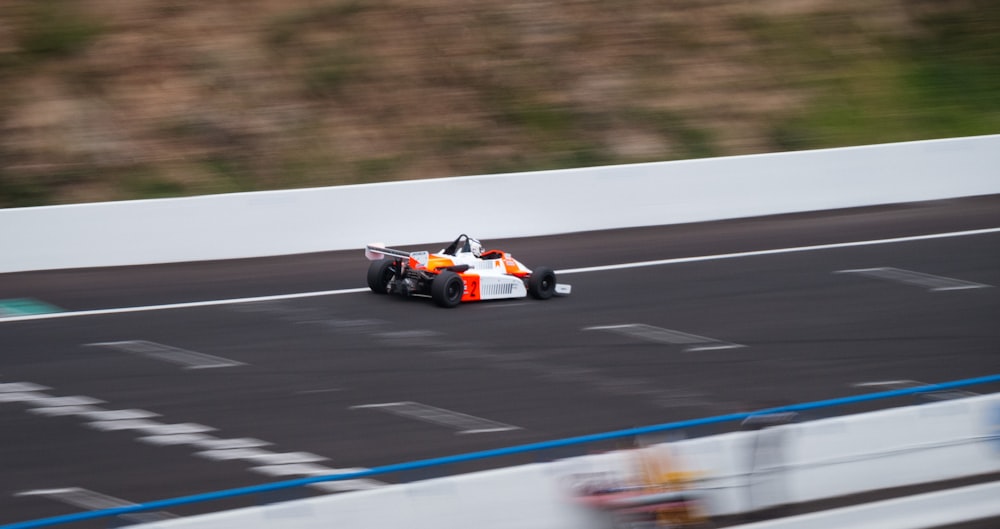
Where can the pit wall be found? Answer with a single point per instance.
(736, 472)
(493, 206)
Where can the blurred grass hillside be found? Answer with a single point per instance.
(123, 99)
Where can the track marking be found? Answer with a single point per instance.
(167, 353)
(149, 427)
(9, 387)
(159, 434)
(920, 279)
(235, 301)
(25, 307)
(88, 499)
(257, 455)
(188, 305)
(776, 251)
(903, 384)
(176, 439)
(44, 401)
(650, 333)
(306, 469)
(314, 391)
(94, 413)
(202, 441)
(339, 486)
(465, 424)
(61, 411)
(882, 383)
(298, 469)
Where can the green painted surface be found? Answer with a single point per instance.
(25, 307)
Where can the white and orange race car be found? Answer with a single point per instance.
(461, 272)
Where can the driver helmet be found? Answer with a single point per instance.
(475, 247)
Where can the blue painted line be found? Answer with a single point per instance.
(25, 307)
(485, 454)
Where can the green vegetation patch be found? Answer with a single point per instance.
(26, 190)
(284, 30)
(329, 72)
(56, 27)
(942, 82)
(141, 184)
(379, 169)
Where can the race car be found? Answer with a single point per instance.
(461, 272)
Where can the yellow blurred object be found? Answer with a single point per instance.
(661, 474)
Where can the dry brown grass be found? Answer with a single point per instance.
(190, 97)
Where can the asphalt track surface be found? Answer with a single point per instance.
(325, 375)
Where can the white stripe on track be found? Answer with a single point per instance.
(778, 251)
(88, 499)
(604, 268)
(189, 305)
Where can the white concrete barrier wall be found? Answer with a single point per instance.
(893, 448)
(493, 206)
(822, 459)
(921, 511)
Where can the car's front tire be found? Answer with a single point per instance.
(447, 289)
(380, 274)
(542, 283)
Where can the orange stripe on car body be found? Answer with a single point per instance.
(513, 268)
(510, 265)
(436, 263)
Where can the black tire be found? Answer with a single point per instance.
(447, 289)
(380, 273)
(542, 283)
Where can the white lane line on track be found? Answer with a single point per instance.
(315, 391)
(156, 433)
(169, 353)
(88, 499)
(901, 384)
(95, 414)
(62, 411)
(881, 383)
(257, 455)
(779, 251)
(189, 305)
(234, 301)
(464, 423)
(309, 469)
(46, 401)
(650, 333)
(19, 387)
(149, 427)
(929, 281)
(203, 441)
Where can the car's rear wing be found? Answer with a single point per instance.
(377, 251)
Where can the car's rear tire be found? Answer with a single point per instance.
(380, 273)
(542, 283)
(447, 289)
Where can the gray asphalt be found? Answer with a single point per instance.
(806, 333)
